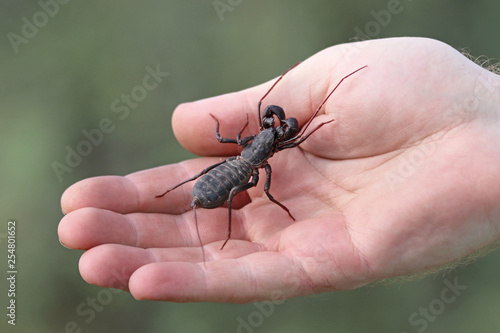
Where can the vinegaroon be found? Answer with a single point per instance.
(223, 180)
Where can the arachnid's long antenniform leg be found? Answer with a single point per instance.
(303, 138)
(285, 144)
(267, 185)
(235, 190)
(204, 171)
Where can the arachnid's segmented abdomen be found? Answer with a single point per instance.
(212, 190)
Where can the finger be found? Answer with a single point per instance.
(109, 192)
(89, 227)
(111, 265)
(137, 192)
(258, 276)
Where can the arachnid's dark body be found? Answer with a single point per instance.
(220, 182)
(212, 190)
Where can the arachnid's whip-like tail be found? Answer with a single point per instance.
(195, 204)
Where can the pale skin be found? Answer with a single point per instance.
(407, 178)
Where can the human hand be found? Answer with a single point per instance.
(405, 179)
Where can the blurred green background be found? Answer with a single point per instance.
(64, 64)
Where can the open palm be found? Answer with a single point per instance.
(405, 179)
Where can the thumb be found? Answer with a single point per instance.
(194, 128)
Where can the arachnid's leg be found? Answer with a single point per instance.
(238, 140)
(204, 171)
(303, 138)
(235, 190)
(267, 185)
(244, 141)
(289, 143)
